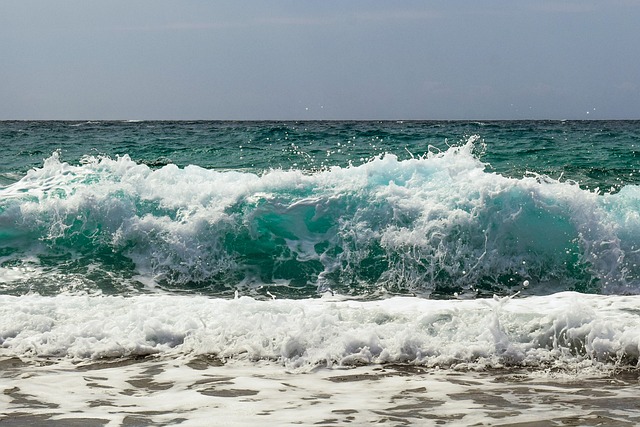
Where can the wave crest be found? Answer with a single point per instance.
(440, 225)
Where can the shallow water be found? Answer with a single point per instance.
(195, 392)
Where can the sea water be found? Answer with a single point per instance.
(197, 273)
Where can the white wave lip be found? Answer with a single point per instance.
(563, 330)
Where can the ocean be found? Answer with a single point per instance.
(322, 272)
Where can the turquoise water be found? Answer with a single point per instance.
(298, 209)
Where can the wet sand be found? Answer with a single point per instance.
(205, 391)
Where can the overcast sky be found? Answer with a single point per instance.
(320, 59)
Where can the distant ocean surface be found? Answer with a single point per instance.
(187, 262)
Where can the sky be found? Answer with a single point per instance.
(320, 59)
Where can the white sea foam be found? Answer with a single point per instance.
(561, 330)
(289, 361)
